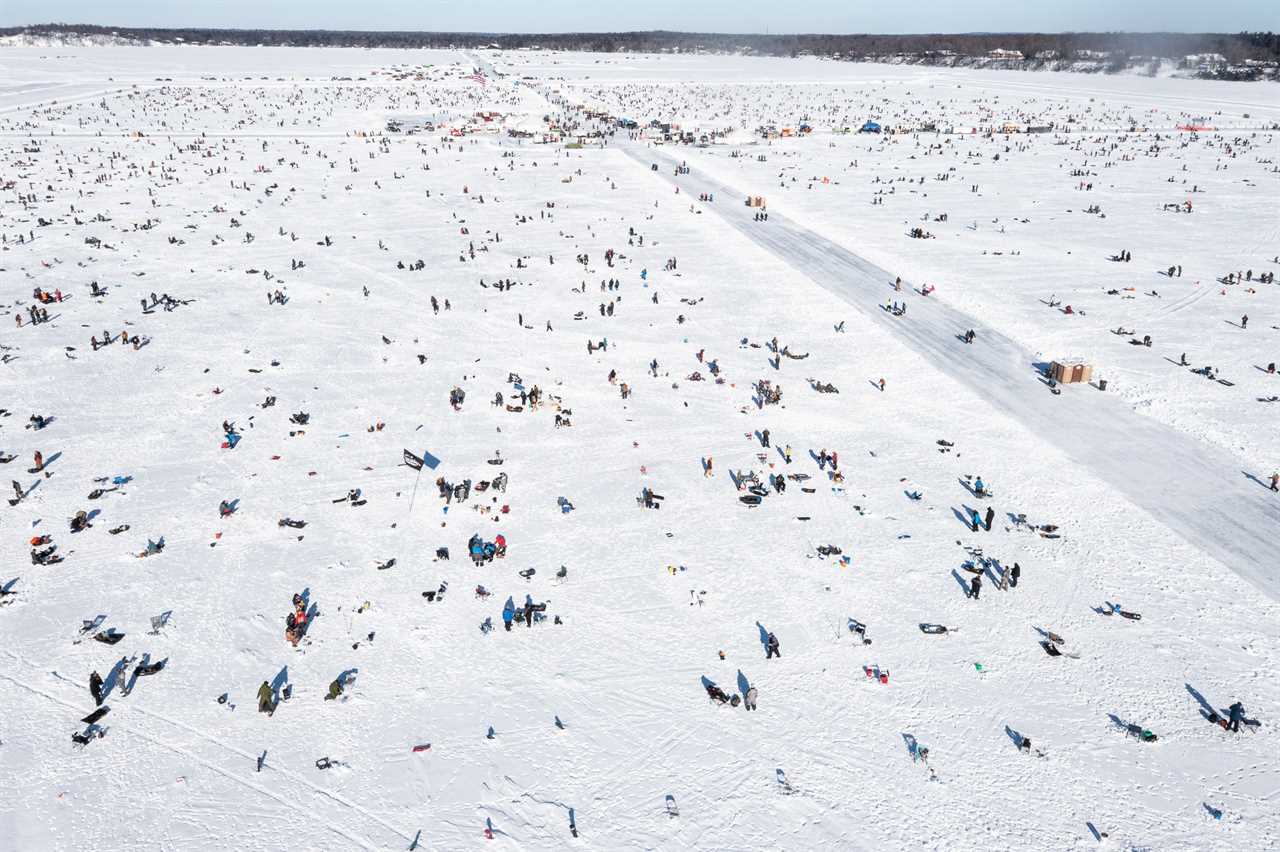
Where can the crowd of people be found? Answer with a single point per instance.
(441, 338)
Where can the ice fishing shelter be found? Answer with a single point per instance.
(1070, 372)
(869, 127)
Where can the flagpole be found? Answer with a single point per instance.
(416, 479)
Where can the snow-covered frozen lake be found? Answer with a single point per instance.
(193, 184)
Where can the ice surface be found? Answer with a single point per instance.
(168, 158)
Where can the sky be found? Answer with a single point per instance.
(737, 16)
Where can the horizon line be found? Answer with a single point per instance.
(530, 33)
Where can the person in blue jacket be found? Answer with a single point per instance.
(508, 614)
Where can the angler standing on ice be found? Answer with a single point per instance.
(1237, 714)
(266, 703)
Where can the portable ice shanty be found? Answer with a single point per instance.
(1070, 372)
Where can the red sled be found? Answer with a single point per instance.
(418, 748)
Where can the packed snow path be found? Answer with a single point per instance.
(1197, 491)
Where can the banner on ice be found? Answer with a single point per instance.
(418, 462)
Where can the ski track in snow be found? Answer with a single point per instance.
(245, 759)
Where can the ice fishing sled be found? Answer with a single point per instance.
(1140, 733)
(150, 668)
(96, 715)
(1114, 609)
(84, 739)
(1054, 651)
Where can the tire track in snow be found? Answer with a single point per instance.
(294, 806)
(293, 776)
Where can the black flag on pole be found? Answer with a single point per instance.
(412, 461)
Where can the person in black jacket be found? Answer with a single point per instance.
(95, 688)
(1237, 713)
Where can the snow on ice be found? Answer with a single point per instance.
(408, 452)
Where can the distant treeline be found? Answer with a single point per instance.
(1234, 47)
